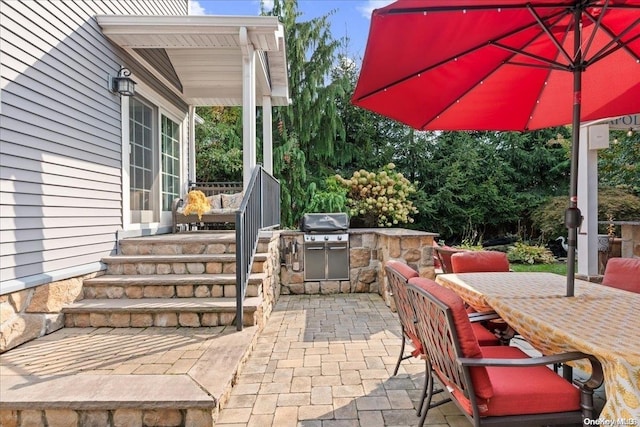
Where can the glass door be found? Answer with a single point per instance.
(170, 136)
(141, 162)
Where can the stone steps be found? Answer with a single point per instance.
(183, 279)
(163, 312)
(168, 286)
(178, 264)
(187, 243)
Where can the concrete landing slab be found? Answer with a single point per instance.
(96, 392)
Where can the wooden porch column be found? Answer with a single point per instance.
(267, 135)
(248, 107)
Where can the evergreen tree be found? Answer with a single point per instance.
(307, 129)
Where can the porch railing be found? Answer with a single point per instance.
(260, 209)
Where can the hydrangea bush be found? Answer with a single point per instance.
(379, 199)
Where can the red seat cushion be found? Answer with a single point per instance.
(466, 337)
(484, 336)
(517, 391)
(479, 261)
(623, 273)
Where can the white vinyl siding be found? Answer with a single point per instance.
(61, 135)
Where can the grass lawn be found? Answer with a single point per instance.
(558, 268)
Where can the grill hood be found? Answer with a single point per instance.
(324, 222)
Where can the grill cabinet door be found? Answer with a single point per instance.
(337, 261)
(314, 261)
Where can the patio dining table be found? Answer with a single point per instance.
(598, 320)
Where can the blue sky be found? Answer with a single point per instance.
(351, 17)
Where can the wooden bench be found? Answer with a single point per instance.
(211, 219)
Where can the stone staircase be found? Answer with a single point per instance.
(176, 363)
(184, 279)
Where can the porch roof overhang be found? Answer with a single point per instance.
(206, 54)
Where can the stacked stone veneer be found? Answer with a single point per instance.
(34, 312)
(369, 249)
(125, 417)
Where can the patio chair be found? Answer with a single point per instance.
(398, 275)
(444, 253)
(623, 273)
(479, 261)
(496, 385)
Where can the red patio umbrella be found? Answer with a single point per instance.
(504, 65)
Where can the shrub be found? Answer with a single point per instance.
(379, 199)
(331, 199)
(613, 203)
(527, 254)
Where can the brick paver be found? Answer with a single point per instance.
(327, 361)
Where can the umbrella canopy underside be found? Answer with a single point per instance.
(457, 60)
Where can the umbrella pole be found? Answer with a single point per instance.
(573, 217)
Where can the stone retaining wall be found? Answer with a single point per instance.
(125, 417)
(34, 312)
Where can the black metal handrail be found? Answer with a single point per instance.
(260, 209)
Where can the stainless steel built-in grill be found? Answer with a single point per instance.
(326, 247)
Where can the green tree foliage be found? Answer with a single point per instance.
(613, 204)
(331, 198)
(219, 144)
(619, 165)
(307, 129)
(311, 53)
(365, 140)
(483, 184)
(289, 168)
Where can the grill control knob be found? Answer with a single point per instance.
(339, 237)
(326, 238)
(313, 238)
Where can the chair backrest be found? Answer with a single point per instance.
(398, 274)
(444, 254)
(479, 261)
(436, 258)
(444, 328)
(623, 273)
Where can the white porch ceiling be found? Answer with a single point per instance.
(206, 53)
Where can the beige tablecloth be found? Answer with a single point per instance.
(598, 320)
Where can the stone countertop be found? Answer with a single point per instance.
(382, 231)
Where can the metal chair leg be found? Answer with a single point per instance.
(400, 356)
(427, 395)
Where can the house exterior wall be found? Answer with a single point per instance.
(61, 182)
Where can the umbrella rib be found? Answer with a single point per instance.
(606, 50)
(598, 24)
(548, 33)
(551, 66)
(554, 64)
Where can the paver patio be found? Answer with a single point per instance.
(321, 361)
(327, 361)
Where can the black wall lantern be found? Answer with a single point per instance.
(123, 84)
